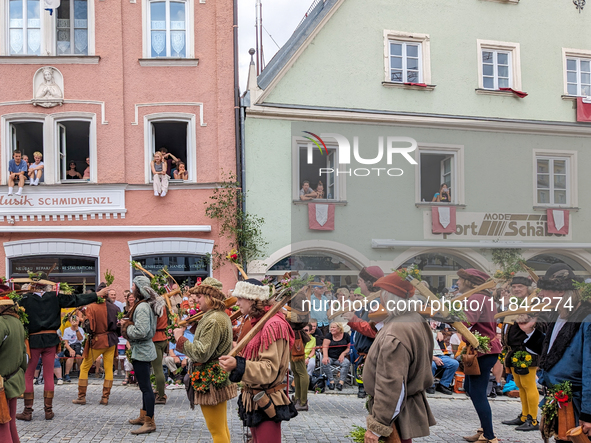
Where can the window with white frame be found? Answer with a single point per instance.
(440, 165)
(405, 62)
(24, 24)
(168, 28)
(407, 57)
(72, 27)
(27, 137)
(552, 180)
(174, 134)
(499, 65)
(33, 31)
(496, 69)
(74, 150)
(578, 76)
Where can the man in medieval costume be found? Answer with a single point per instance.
(43, 306)
(397, 370)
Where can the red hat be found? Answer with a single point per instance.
(394, 284)
(474, 276)
(371, 273)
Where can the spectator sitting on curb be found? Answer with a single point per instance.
(449, 365)
(72, 339)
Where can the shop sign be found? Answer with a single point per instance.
(497, 225)
(64, 200)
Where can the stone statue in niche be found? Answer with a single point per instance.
(48, 87)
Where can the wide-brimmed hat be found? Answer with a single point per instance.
(394, 284)
(558, 277)
(474, 276)
(251, 289)
(526, 281)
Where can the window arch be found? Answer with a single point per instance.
(541, 262)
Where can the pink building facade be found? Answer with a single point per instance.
(97, 86)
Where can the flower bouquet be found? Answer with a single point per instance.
(521, 361)
(557, 411)
(411, 271)
(483, 342)
(207, 375)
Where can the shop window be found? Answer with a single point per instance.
(436, 169)
(185, 269)
(27, 137)
(74, 149)
(318, 169)
(174, 137)
(541, 263)
(79, 272)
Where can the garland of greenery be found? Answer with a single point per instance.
(207, 375)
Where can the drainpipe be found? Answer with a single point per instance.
(237, 116)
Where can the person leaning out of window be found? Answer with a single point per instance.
(159, 168)
(444, 194)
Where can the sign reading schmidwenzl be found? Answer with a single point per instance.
(491, 225)
(67, 200)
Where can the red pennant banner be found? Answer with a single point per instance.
(443, 219)
(321, 216)
(558, 221)
(583, 110)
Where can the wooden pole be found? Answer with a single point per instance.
(282, 298)
(459, 326)
(489, 284)
(530, 271)
(241, 271)
(576, 435)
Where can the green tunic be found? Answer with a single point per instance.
(13, 355)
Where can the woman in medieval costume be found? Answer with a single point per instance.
(139, 330)
(565, 354)
(213, 338)
(13, 361)
(397, 370)
(44, 312)
(100, 322)
(482, 320)
(262, 366)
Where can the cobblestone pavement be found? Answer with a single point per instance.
(330, 418)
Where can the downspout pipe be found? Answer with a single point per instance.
(237, 119)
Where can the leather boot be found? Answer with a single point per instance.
(302, 407)
(148, 426)
(27, 414)
(107, 385)
(140, 419)
(82, 386)
(361, 392)
(160, 400)
(48, 401)
(475, 437)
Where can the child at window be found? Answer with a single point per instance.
(181, 173)
(443, 195)
(160, 176)
(26, 159)
(17, 170)
(320, 190)
(36, 169)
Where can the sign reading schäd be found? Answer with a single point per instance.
(497, 225)
(65, 200)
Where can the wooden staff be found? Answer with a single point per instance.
(282, 298)
(166, 272)
(530, 271)
(236, 315)
(229, 302)
(459, 326)
(343, 311)
(489, 284)
(240, 270)
(137, 266)
(167, 296)
(576, 435)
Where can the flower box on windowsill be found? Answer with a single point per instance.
(407, 86)
(49, 60)
(169, 61)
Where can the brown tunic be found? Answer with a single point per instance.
(400, 356)
(102, 326)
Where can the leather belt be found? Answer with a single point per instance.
(267, 391)
(44, 332)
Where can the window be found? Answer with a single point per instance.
(183, 268)
(496, 69)
(74, 150)
(405, 62)
(72, 27)
(407, 58)
(176, 133)
(27, 137)
(439, 165)
(499, 65)
(552, 180)
(32, 31)
(168, 31)
(578, 76)
(24, 27)
(319, 171)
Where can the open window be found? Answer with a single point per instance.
(438, 166)
(172, 136)
(27, 137)
(316, 173)
(74, 151)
